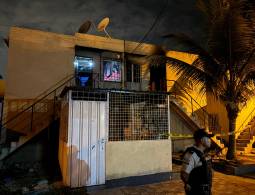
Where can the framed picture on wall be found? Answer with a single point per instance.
(112, 70)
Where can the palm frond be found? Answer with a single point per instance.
(248, 80)
(180, 88)
(247, 63)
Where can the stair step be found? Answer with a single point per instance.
(244, 137)
(243, 141)
(241, 144)
(245, 132)
(251, 123)
(240, 148)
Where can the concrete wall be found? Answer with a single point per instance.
(179, 127)
(39, 154)
(2, 87)
(246, 114)
(36, 61)
(63, 137)
(244, 117)
(217, 108)
(134, 158)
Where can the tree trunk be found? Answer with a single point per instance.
(231, 154)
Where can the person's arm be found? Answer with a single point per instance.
(187, 166)
(184, 177)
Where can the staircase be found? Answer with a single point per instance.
(246, 138)
(200, 123)
(195, 112)
(245, 135)
(31, 120)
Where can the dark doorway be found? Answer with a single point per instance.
(158, 78)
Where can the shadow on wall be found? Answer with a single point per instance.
(78, 174)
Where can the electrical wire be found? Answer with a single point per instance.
(156, 20)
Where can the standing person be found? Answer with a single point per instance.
(196, 172)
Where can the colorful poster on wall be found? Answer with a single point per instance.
(112, 70)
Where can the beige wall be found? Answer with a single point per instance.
(216, 107)
(36, 61)
(63, 149)
(2, 87)
(246, 114)
(179, 127)
(134, 158)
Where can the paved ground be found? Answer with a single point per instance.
(247, 158)
(222, 185)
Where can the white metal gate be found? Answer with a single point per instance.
(87, 136)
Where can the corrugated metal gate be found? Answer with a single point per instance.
(87, 135)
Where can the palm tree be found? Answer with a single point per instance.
(225, 67)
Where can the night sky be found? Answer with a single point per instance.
(129, 19)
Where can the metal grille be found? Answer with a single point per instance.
(137, 116)
(89, 95)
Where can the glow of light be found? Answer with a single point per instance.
(91, 64)
(75, 63)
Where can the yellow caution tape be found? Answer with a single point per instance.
(179, 135)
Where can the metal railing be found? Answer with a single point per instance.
(94, 82)
(43, 107)
(36, 116)
(250, 116)
(194, 109)
(26, 104)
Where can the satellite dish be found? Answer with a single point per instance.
(102, 26)
(84, 28)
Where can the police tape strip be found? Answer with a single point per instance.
(180, 135)
(176, 135)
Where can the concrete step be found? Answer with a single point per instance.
(244, 137)
(240, 148)
(242, 140)
(241, 144)
(252, 123)
(245, 133)
(250, 132)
